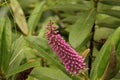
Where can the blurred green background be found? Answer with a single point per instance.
(25, 54)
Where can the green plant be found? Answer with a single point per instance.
(93, 24)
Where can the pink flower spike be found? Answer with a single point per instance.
(73, 62)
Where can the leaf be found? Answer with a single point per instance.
(19, 16)
(35, 16)
(111, 2)
(82, 28)
(49, 74)
(71, 19)
(23, 67)
(3, 11)
(112, 65)
(6, 43)
(2, 23)
(31, 78)
(17, 50)
(117, 77)
(83, 44)
(109, 23)
(70, 7)
(102, 59)
(114, 13)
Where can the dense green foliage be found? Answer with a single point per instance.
(93, 24)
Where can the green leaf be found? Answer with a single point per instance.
(109, 23)
(81, 29)
(19, 16)
(2, 23)
(23, 67)
(111, 67)
(17, 50)
(114, 13)
(35, 16)
(117, 77)
(6, 43)
(31, 78)
(49, 74)
(102, 59)
(111, 2)
(71, 19)
(70, 7)
(84, 43)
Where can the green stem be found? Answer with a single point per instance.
(92, 40)
(91, 49)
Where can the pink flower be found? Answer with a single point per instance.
(68, 56)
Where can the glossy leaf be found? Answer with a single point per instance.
(49, 74)
(102, 59)
(35, 16)
(19, 16)
(81, 29)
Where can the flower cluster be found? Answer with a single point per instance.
(68, 56)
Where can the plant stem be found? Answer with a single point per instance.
(92, 40)
(91, 49)
(96, 3)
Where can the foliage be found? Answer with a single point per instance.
(93, 24)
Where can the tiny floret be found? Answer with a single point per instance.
(73, 62)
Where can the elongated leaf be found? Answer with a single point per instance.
(35, 16)
(70, 7)
(2, 23)
(111, 2)
(117, 77)
(19, 16)
(22, 68)
(102, 58)
(82, 28)
(6, 43)
(78, 49)
(49, 74)
(112, 65)
(17, 51)
(71, 19)
(114, 13)
(109, 23)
